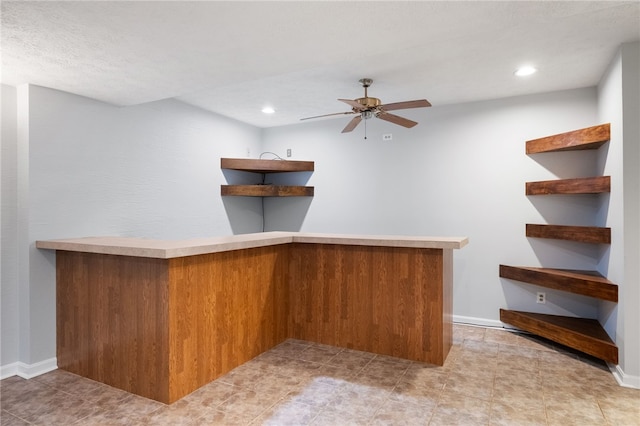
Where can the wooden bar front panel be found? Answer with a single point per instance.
(162, 328)
(226, 308)
(384, 300)
(112, 320)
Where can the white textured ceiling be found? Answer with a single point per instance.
(234, 57)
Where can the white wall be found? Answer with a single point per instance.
(619, 104)
(460, 172)
(9, 313)
(94, 169)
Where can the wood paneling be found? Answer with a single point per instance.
(226, 308)
(583, 234)
(266, 166)
(585, 335)
(384, 300)
(161, 328)
(589, 138)
(587, 283)
(112, 320)
(266, 190)
(590, 185)
(72, 312)
(447, 303)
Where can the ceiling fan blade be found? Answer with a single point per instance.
(396, 119)
(420, 103)
(352, 124)
(353, 103)
(328, 115)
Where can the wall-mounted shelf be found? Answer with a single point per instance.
(584, 334)
(266, 191)
(582, 234)
(266, 166)
(588, 138)
(586, 283)
(588, 185)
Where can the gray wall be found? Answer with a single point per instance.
(460, 172)
(8, 232)
(87, 168)
(618, 100)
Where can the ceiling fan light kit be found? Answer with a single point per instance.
(368, 107)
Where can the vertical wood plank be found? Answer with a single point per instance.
(72, 313)
(447, 302)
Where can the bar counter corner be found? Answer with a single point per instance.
(162, 318)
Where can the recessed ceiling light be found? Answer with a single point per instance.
(525, 71)
(268, 110)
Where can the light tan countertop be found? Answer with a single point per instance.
(167, 249)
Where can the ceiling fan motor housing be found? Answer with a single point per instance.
(369, 102)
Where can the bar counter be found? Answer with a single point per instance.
(162, 318)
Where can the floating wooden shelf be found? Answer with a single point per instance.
(587, 283)
(266, 191)
(589, 185)
(583, 234)
(585, 335)
(588, 138)
(266, 166)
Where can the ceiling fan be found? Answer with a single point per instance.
(367, 107)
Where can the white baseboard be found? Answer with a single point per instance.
(27, 371)
(481, 322)
(623, 379)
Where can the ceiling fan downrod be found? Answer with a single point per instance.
(366, 82)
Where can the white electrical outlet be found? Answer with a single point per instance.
(387, 137)
(288, 152)
(541, 298)
(248, 152)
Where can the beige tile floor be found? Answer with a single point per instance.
(491, 377)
